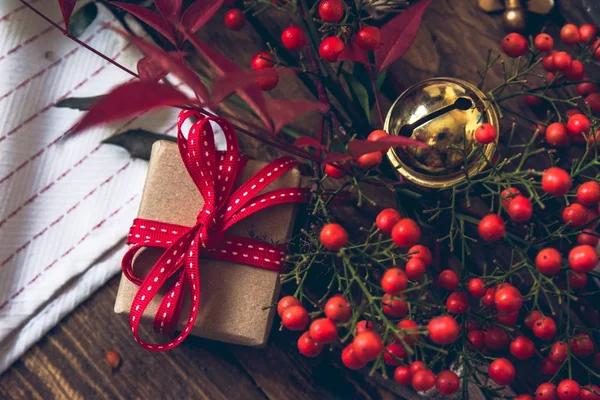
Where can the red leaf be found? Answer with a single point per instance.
(307, 141)
(131, 98)
(170, 9)
(285, 111)
(399, 34)
(150, 70)
(252, 95)
(171, 62)
(150, 18)
(66, 8)
(359, 147)
(227, 84)
(198, 14)
(354, 53)
(335, 157)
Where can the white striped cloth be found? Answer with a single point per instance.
(65, 205)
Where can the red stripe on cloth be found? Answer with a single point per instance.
(37, 114)
(16, 10)
(66, 253)
(48, 68)
(60, 218)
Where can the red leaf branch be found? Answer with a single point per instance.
(359, 147)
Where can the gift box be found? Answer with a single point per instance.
(234, 296)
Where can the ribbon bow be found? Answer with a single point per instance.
(214, 173)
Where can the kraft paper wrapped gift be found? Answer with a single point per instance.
(233, 295)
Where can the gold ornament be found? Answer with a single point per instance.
(444, 113)
(515, 15)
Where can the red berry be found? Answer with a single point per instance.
(514, 45)
(367, 346)
(235, 19)
(447, 382)
(556, 181)
(547, 367)
(416, 366)
(520, 209)
(476, 287)
(558, 352)
(323, 330)
(393, 352)
(334, 172)
(578, 280)
(588, 237)
(522, 348)
(295, 318)
(293, 38)
(268, 79)
(595, 48)
(508, 319)
(586, 88)
(423, 380)
(587, 33)
(588, 193)
(333, 236)
(369, 160)
(376, 135)
(557, 135)
(590, 392)
(477, 339)
(486, 133)
(562, 60)
(543, 42)
(368, 38)
(593, 101)
(448, 280)
(443, 330)
(422, 252)
(415, 268)
(578, 124)
(569, 34)
(386, 220)
(502, 371)
(363, 326)
(286, 302)
(548, 261)
(583, 258)
(548, 62)
(408, 331)
(508, 299)
(337, 309)
(582, 345)
(524, 397)
(261, 60)
(394, 281)
(331, 10)
(349, 358)
(546, 391)
(544, 328)
(457, 303)
(496, 339)
(508, 195)
(402, 375)
(406, 233)
(308, 346)
(568, 389)
(488, 298)
(575, 72)
(532, 318)
(330, 48)
(491, 228)
(394, 306)
(575, 215)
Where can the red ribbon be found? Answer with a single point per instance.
(214, 173)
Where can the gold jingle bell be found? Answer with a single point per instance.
(444, 113)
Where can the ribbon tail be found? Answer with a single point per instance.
(167, 316)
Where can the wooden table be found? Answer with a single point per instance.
(69, 361)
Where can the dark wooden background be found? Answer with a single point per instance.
(69, 361)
